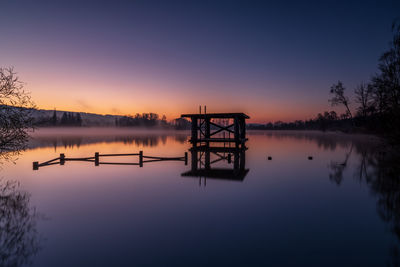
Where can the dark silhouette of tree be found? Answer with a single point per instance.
(164, 122)
(54, 118)
(64, 119)
(363, 94)
(78, 119)
(339, 98)
(144, 120)
(15, 110)
(386, 87)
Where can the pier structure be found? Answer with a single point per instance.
(218, 146)
(210, 128)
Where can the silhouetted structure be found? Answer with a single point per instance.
(201, 163)
(217, 128)
(202, 133)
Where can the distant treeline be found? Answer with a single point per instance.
(148, 120)
(144, 119)
(326, 121)
(378, 101)
(67, 119)
(151, 120)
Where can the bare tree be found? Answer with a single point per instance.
(338, 98)
(363, 94)
(16, 109)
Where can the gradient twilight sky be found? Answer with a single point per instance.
(274, 60)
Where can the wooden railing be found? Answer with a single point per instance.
(96, 159)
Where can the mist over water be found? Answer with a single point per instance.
(320, 196)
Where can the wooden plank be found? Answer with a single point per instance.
(222, 128)
(164, 158)
(220, 140)
(215, 115)
(218, 149)
(118, 155)
(49, 161)
(118, 163)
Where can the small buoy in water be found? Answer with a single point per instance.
(310, 158)
(270, 158)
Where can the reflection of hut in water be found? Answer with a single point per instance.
(202, 163)
(218, 128)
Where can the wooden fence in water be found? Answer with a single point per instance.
(96, 159)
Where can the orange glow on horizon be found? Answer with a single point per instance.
(91, 93)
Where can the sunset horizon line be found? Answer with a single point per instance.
(171, 117)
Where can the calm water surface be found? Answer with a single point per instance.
(338, 209)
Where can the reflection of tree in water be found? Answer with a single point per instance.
(8, 155)
(325, 140)
(181, 138)
(379, 168)
(381, 171)
(150, 140)
(18, 235)
(338, 168)
(146, 141)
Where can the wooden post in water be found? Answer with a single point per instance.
(96, 159)
(35, 165)
(236, 162)
(236, 131)
(62, 159)
(207, 130)
(194, 131)
(242, 130)
(194, 159)
(186, 158)
(140, 158)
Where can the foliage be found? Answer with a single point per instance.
(378, 109)
(339, 98)
(70, 119)
(144, 120)
(15, 111)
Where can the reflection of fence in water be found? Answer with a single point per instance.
(96, 159)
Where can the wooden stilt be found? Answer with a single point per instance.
(186, 158)
(96, 159)
(35, 165)
(140, 158)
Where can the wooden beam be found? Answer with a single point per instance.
(222, 128)
(216, 115)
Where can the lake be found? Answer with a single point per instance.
(322, 199)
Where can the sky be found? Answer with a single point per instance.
(273, 60)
